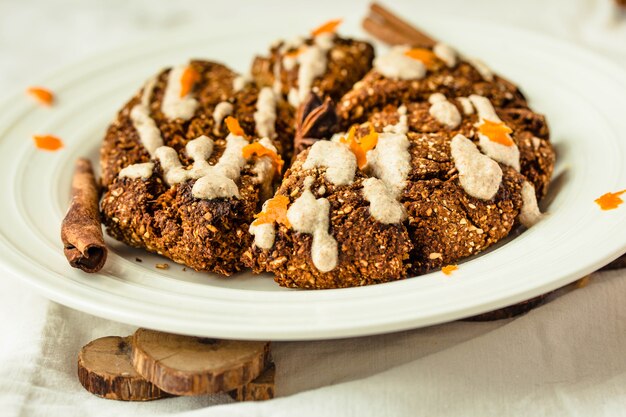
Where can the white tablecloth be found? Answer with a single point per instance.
(567, 357)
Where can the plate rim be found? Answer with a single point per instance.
(21, 273)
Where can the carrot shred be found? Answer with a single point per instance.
(42, 95)
(360, 147)
(47, 142)
(428, 57)
(275, 211)
(328, 27)
(610, 201)
(448, 269)
(234, 127)
(189, 78)
(496, 132)
(259, 150)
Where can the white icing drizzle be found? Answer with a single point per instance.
(289, 62)
(390, 161)
(479, 175)
(265, 116)
(239, 82)
(445, 53)
(214, 186)
(199, 149)
(482, 68)
(173, 171)
(277, 86)
(174, 106)
(134, 171)
(310, 215)
(339, 161)
(530, 213)
(313, 62)
(213, 180)
(149, 133)
(222, 110)
(384, 206)
(403, 123)
(264, 170)
(508, 155)
(264, 235)
(232, 161)
(436, 97)
(444, 111)
(325, 40)
(293, 98)
(484, 108)
(466, 104)
(396, 65)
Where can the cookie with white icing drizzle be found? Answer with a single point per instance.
(176, 181)
(457, 207)
(321, 207)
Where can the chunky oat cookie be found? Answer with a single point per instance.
(178, 179)
(440, 150)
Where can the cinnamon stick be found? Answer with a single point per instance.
(391, 29)
(81, 232)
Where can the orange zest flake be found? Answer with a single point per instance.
(610, 201)
(259, 150)
(234, 127)
(497, 132)
(189, 78)
(328, 27)
(47, 142)
(275, 211)
(42, 95)
(359, 147)
(448, 269)
(428, 57)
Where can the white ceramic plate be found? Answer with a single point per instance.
(583, 95)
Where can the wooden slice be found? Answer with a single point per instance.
(104, 369)
(186, 365)
(259, 389)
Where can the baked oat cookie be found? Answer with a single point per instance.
(323, 63)
(464, 169)
(176, 182)
(406, 87)
(318, 232)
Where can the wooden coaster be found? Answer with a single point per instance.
(186, 365)
(259, 389)
(104, 369)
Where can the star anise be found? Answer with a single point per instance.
(316, 119)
